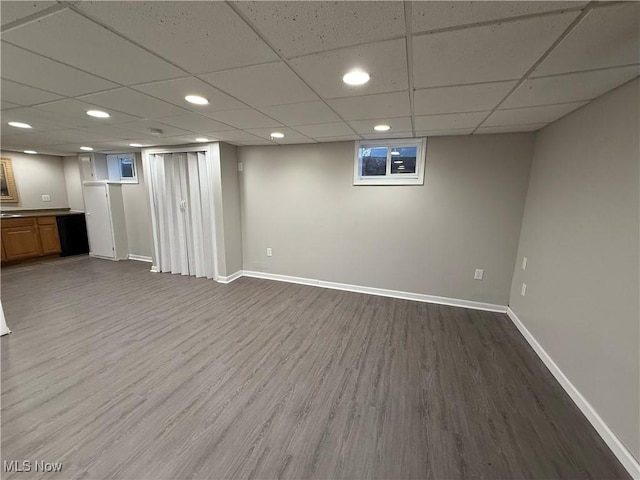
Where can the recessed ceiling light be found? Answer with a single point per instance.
(197, 99)
(277, 135)
(202, 139)
(135, 144)
(98, 114)
(356, 77)
(19, 125)
(86, 149)
(395, 152)
(397, 161)
(382, 128)
(30, 152)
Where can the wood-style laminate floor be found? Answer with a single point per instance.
(119, 373)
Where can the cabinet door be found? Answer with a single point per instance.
(49, 238)
(21, 242)
(98, 221)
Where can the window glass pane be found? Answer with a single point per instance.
(403, 159)
(373, 161)
(126, 167)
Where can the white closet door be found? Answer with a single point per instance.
(98, 218)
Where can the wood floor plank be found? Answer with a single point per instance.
(119, 373)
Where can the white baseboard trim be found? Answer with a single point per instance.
(383, 292)
(619, 450)
(230, 278)
(139, 258)
(154, 269)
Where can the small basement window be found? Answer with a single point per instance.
(390, 162)
(122, 168)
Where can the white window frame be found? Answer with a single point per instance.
(389, 178)
(115, 169)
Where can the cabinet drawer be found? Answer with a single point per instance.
(18, 222)
(46, 220)
(21, 242)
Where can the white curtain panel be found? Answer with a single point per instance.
(182, 207)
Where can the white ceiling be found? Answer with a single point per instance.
(437, 68)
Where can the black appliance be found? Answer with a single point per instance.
(72, 229)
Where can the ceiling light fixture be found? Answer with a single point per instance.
(156, 132)
(395, 152)
(197, 99)
(401, 167)
(98, 114)
(382, 128)
(202, 139)
(30, 152)
(356, 77)
(277, 135)
(397, 161)
(137, 145)
(19, 125)
(86, 149)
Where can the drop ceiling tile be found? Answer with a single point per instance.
(511, 128)
(372, 106)
(8, 105)
(38, 119)
(174, 91)
(73, 112)
(299, 28)
(295, 141)
(374, 136)
(34, 70)
(174, 30)
(236, 135)
(195, 123)
(25, 95)
(144, 127)
(320, 130)
(247, 118)
(427, 16)
(385, 61)
(464, 98)
(570, 87)
(449, 121)
(530, 115)
(503, 51)
(59, 137)
(301, 113)
(340, 138)
(608, 36)
(134, 103)
(266, 134)
(402, 124)
(12, 11)
(446, 132)
(115, 132)
(262, 85)
(81, 43)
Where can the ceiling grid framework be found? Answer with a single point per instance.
(437, 68)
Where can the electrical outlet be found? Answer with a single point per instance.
(269, 252)
(523, 291)
(46, 198)
(240, 166)
(524, 263)
(478, 274)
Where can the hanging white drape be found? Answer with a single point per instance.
(182, 207)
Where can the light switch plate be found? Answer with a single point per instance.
(46, 198)
(524, 263)
(479, 274)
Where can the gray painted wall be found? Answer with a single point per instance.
(138, 214)
(37, 175)
(73, 182)
(580, 234)
(300, 201)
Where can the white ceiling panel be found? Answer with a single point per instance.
(40, 72)
(174, 91)
(73, 112)
(25, 95)
(530, 115)
(38, 119)
(299, 28)
(195, 123)
(265, 133)
(571, 87)
(116, 131)
(385, 61)
(372, 106)
(12, 11)
(144, 127)
(198, 36)
(58, 137)
(445, 133)
(320, 130)
(464, 98)
(301, 113)
(427, 16)
(236, 135)
(511, 129)
(262, 85)
(247, 118)
(608, 36)
(365, 127)
(503, 51)
(134, 103)
(100, 52)
(4, 105)
(375, 136)
(450, 121)
(341, 138)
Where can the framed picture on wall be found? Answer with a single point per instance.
(8, 190)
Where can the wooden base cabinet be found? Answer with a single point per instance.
(49, 238)
(29, 237)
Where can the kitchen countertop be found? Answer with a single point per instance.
(57, 212)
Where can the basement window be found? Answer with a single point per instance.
(390, 162)
(122, 168)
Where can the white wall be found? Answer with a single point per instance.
(73, 182)
(581, 236)
(37, 175)
(300, 201)
(138, 214)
